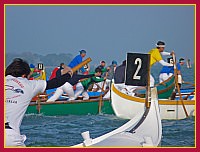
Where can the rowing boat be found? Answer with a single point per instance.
(145, 128)
(74, 107)
(164, 89)
(126, 106)
(38, 105)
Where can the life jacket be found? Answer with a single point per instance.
(53, 74)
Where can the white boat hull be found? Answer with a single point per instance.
(144, 130)
(127, 107)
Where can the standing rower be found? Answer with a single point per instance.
(156, 57)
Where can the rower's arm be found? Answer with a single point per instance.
(85, 76)
(165, 53)
(96, 80)
(165, 63)
(57, 82)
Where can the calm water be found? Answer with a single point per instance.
(66, 130)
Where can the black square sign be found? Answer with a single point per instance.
(137, 67)
(40, 66)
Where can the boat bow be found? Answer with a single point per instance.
(145, 129)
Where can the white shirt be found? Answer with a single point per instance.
(19, 92)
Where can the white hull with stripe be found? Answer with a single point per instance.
(127, 107)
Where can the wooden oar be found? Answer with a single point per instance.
(74, 69)
(189, 83)
(147, 103)
(81, 64)
(177, 86)
(192, 93)
(98, 87)
(101, 96)
(38, 103)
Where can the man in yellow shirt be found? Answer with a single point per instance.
(156, 57)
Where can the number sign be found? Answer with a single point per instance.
(40, 66)
(170, 60)
(137, 68)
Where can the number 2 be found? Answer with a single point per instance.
(138, 61)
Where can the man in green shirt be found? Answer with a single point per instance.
(102, 66)
(82, 87)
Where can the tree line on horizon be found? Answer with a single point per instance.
(52, 59)
(49, 60)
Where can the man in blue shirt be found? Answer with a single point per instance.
(77, 60)
(167, 71)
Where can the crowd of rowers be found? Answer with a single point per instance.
(84, 80)
(100, 80)
(19, 91)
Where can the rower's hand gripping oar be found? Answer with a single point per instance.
(72, 70)
(177, 86)
(81, 64)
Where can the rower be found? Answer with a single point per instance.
(17, 74)
(156, 57)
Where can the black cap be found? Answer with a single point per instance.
(160, 43)
(98, 70)
(82, 51)
(181, 59)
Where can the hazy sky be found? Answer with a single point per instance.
(106, 32)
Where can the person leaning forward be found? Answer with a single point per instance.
(68, 87)
(19, 92)
(82, 87)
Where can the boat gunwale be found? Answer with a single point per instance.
(164, 90)
(142, 100)
(167, 80)
(33, 103)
